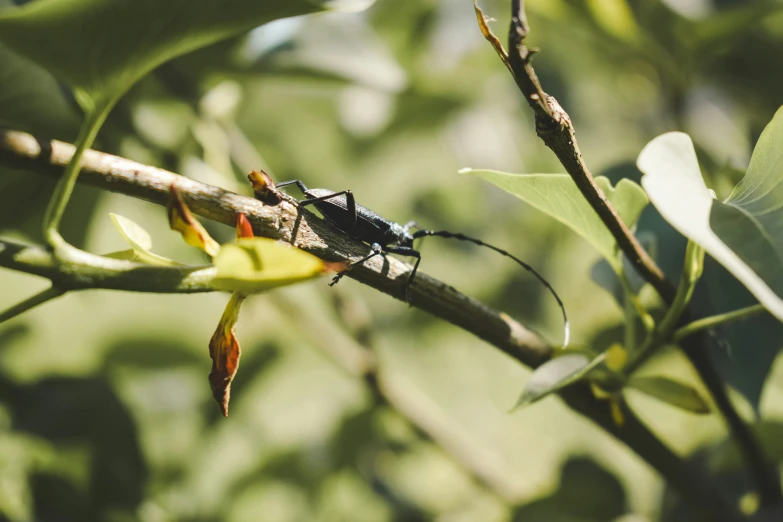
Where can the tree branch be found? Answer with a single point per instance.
(280, 222)
(387, 275)
(554, 127)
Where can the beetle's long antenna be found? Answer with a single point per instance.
(462, 237)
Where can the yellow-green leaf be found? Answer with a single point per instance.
(258, 264)
(558, 196)
(140, 241)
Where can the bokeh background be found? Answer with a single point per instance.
(105, 409)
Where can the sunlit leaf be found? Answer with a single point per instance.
(750, 221)
(258, 264)
(140, 241)
(104, 47)
(558, 196)
(671, 392)
(745, 234)
(193, 232)
(225, 352)
(132, 232)
(556, 374)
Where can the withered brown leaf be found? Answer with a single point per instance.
(225, 351)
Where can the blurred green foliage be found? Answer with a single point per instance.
(106, 410)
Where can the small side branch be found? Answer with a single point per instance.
(717, 320)
(31, 302)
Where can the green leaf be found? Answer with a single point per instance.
(104, 47)
(750, 221)
(554, 375)
(558, 196)
(730, 23)
(140, 242)
(257, 264)
(745, 234)
(671, 392)
(31, 100)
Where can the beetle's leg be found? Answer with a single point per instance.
(296, 182)
(349, 200)
(376, 250)
(407, 251)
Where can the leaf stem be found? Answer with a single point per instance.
(74, 269)
(31, 302)
(94, 118)
(691, 273)
(715, 320)
(632, 302)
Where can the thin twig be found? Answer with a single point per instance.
(386, 275)
(717, 320)
(554, 127)
(31, 302)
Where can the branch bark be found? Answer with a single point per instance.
(288, 223)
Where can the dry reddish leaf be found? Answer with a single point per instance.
(225, 351)
(244, 228)
(264, 188)
(489, 35)
(182, 221)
